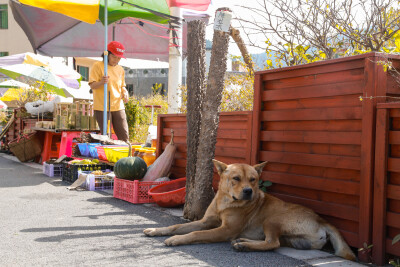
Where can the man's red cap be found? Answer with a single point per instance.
(116, 48)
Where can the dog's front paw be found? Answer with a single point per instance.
(174, 241)
(151, 232)
(238, 245)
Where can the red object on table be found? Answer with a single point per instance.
(50, 147)
(66, 143)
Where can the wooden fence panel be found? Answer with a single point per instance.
(318, 137)
(233, 139)
(386, 212)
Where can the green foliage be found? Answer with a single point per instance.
(237, 94)
(5, 116)
(367, 249)
(264, 184)
(139, 117)
(36, 91)
(395, 263)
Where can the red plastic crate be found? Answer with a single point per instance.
(134, 191)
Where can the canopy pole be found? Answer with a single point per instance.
(175, 64)
(105, 67)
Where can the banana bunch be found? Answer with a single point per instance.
(84, 162)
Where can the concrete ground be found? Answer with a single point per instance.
(42, 223)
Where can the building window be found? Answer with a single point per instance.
(3, 54)
(3, 17)
(84, 71)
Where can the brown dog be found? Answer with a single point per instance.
(254, 221)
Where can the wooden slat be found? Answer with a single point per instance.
(321, 102)
(313, 91)
(255, 130)
(341, 162)
(221, 133)
(351, 238)
(394, 137)
(394, 113)
(393, 219)
(394, 151)
(393, 192)
(346, 113)
(379, 205)
(395, 124)
(334, 210)
(375, 84)
(324, 196)
(393, 164)
(392, 249)
(341, 224)
(329, 185)
(320, 125)
(392, 85)
(393, 205)
(174, 118)
(332, 173)
(312, 137)
(327, 149)
(315, 74)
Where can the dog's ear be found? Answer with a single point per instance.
(260, 167)
(221, 167)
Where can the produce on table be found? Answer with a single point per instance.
(162, 165)
(130, 168)
(84, 162)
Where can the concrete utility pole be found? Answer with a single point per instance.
(175, 64)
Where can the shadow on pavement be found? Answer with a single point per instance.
(109, 225)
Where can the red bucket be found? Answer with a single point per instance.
(169, 194)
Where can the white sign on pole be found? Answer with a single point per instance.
(222, 21)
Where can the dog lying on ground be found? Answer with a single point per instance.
(253, 220)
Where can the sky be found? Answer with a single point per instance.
(237, 11)
(234, 5)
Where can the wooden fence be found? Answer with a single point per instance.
(386, 216)
(233, 139)
(315, 125)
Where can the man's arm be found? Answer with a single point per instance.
(99, 84)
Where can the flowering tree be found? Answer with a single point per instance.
(304, 31)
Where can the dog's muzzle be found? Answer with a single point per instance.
(247, 193)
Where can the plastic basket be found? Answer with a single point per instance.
(118, 153)
(135, 192)
(170, 194)
(100, 152)
(83, 149)
(70, 171)
(109, 153)
(93, 150)
(98, 182)
(53, 170)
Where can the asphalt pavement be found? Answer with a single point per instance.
(44, 224)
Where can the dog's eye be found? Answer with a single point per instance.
(252, 179)
(236, 178)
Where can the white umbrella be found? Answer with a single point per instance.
(69, 76)
(32, 74)
(3, 105)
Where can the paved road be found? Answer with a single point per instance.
(42, 223)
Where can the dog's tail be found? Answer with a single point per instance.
(339, 244)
